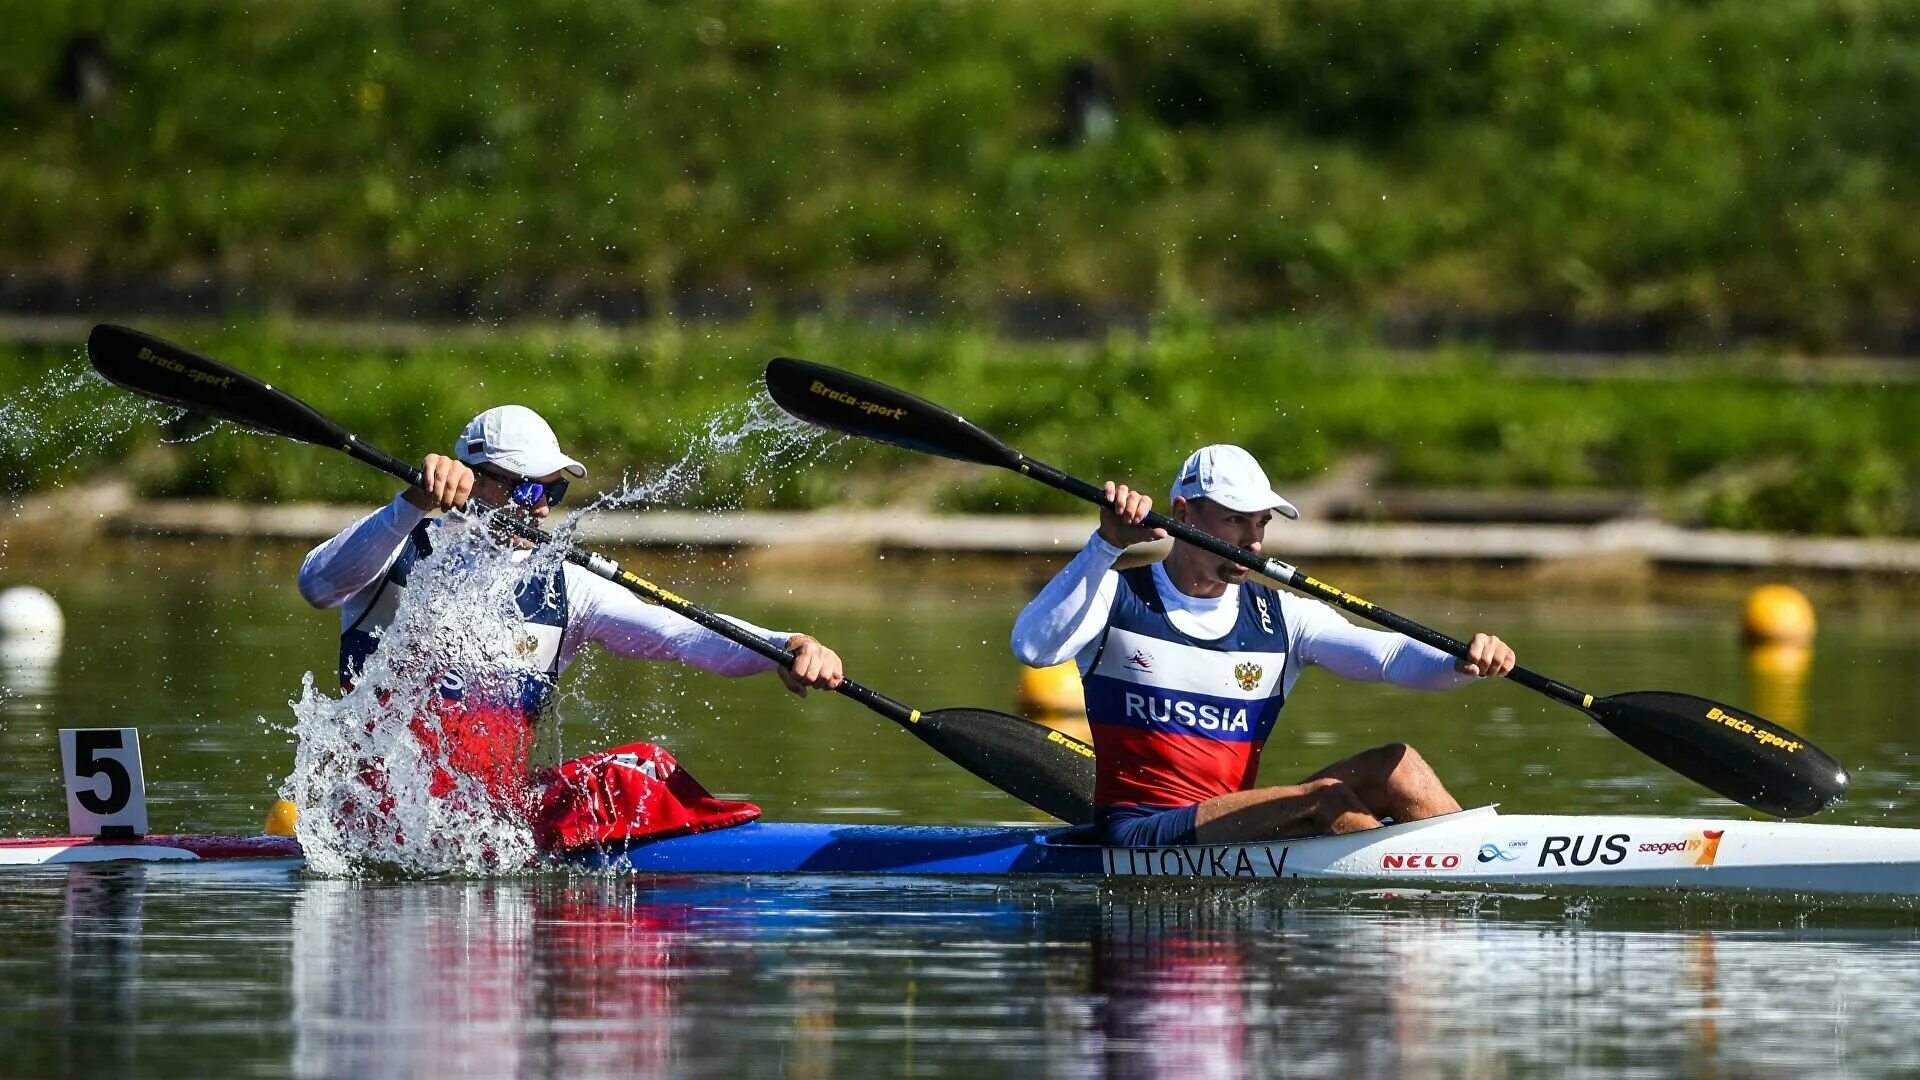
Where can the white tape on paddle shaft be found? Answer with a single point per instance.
(1281, 572)
(106, 791)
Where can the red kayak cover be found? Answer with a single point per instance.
(626, 795)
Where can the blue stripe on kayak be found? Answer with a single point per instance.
(776, 848)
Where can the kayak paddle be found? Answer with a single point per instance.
(1738, 754)
(1030, 761)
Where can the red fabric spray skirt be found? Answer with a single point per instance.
(626, 794)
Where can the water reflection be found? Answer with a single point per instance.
(29, 670)
(487, 978)
(1777, 679)
(646, 977)
(162, 970)
(99, 951)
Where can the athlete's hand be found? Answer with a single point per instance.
(813, 665)
(1486, 655)
(448, 484)
(1120, 519)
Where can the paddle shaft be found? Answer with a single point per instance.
(604, 567)
(1027, 760)
(1743, 756)
(1290, 576)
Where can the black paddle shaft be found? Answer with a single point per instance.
(1033, 763)
(1739, 754)
(1030, 761)
(1290, 576)
(164, 371)
(1745, 757)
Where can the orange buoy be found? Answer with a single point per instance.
(282, 819)
(1778, 614)
(1053, 689)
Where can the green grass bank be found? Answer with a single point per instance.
(1720, 442)
(1706, 159)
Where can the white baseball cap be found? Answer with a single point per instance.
(514, 438)
(1229, 476)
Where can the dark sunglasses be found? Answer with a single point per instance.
(530, 493)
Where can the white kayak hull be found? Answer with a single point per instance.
(1484, 847)
(1478, 847)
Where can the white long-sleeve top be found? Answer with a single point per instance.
(1070, 615)
(346, 571)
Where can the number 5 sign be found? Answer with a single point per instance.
(106, 793)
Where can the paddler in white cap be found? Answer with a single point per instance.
(1187, 663)
(508, 457)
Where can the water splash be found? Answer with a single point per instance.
(71, 412)
(767, 436)
(757, 437)
(363, 776)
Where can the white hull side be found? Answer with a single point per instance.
(1481, 846)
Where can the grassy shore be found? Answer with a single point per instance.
(1700, 159)
(1719, 442)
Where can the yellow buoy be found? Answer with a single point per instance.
(1053, 689)
(281, 820)
(1778, 614)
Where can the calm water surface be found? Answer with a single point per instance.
(146, 971)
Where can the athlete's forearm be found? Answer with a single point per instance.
(333, 572)
(1069, 613)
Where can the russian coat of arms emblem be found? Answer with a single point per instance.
(1247, 675)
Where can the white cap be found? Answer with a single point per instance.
(1229, 476)
(514, 438)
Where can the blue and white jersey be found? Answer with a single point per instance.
(1178, 719)
(1173, 730)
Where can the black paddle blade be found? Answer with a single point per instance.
(179, 376)
(1747, 758)
(857, 405)
(1029, 761)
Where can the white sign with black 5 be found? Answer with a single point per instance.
(106, 793)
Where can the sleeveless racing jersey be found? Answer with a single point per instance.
(542, 601)
(1176, 719)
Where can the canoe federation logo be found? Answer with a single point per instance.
(1141, 660)
(1247, 675)
(1503, 851)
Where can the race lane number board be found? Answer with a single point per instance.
(106, 793)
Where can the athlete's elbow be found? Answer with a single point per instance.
(315, 594)
(1032, 655)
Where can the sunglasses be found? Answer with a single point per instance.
(527, 492)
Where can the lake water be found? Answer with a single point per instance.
(114, 970)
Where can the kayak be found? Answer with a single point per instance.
(1474, 847)
(65, 850)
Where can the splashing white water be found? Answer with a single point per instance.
(758, 428)
(73, 411)
(363, 778)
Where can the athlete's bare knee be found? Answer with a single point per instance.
(1392, 754)
(1402, 762)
